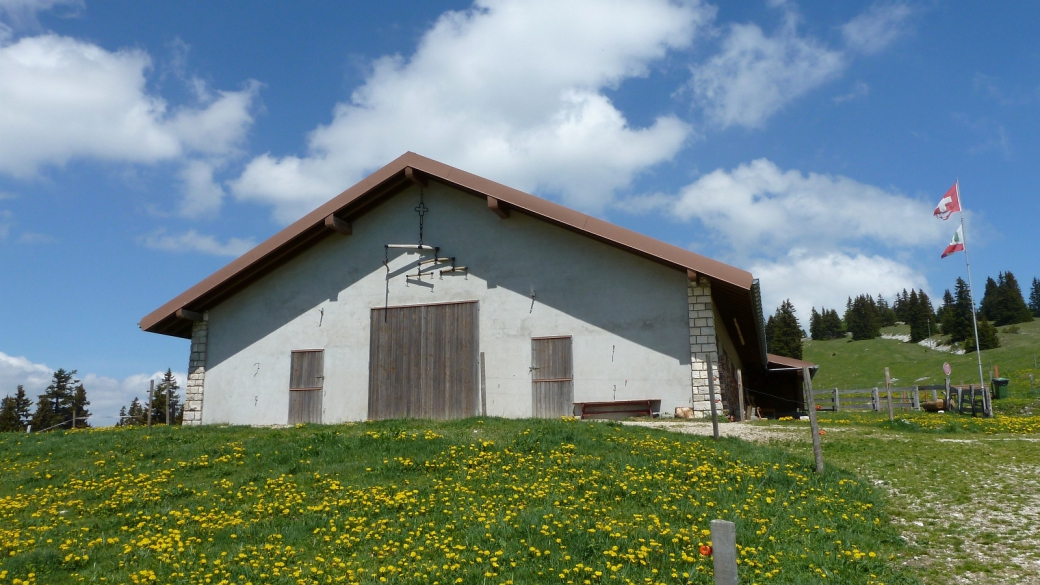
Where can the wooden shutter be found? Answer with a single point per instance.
(306, 378)
(552, 377)
(423, 362)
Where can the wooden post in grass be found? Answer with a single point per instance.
(740, 396)
(888, 394)
(946, 399)
(151, 390)
(813, 423)
(836, 400)
(724, 552)
(877, 399)
(711, 397)
(917, 398)
(483, 388)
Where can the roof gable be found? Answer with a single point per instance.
(731, 286)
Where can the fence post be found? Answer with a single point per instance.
(724, 552)
(151, 390)
(813, 423)
(740, 395)
(917, 398)
(888, 386)
(960, 400)
(877, 399)
(972, 390)
(711, 397)
(836, 400)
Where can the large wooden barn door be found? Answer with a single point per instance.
(423, 362)
(306, 379)
(552, 369)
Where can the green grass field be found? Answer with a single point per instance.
(849, 364)
(473, 501)
(962, 491)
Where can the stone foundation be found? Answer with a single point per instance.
(196, 372)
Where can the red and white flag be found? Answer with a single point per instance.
(957, 245)
(950, 202)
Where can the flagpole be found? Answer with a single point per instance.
(974, 321)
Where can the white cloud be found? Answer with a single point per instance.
(755, 75)
(21, 14)
(859, 90)
(512, 90)
(6, 222)
(828, 279)
(106, 395)
(192, 241)
(877, 28)
(65, 99)
(758, 208)
(15, 371)
(202, 195)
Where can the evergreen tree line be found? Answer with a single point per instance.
(1002, 304)
(137, 412)
(1034, 297)
(66, 396)
(62, 399)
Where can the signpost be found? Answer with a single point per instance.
(947, 370)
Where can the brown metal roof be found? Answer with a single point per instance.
(731, 286)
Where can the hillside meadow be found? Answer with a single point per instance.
(472, 501)
(848, 364)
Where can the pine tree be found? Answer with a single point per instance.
(990, 305)
(1034, 297)
(168, 382)
(1013, 308)
(886, 315)
(79, 407)
(861, 318)
(987, 337)
(783, 333)
(957, 313)
(135, 414)
(14, 411)
(816, 325)
(831, 324)
(920, 315)
(8, 419)
(54, 406)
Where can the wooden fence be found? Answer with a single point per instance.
(962, 399)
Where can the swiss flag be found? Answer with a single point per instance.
(950, 203)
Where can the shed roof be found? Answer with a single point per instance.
(734, 290)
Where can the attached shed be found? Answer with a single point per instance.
(426, 291)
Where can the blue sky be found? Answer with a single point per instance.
(145, 145)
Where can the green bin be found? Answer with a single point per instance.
(1000, 388)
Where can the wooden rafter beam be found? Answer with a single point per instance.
(189, 315)
(334, 223)
(496, 206)
(414, 177)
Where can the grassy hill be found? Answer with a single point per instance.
(861, 364)
(473, 501)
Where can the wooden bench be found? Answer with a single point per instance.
(617, 409)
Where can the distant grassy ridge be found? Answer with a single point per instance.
(861, 364)
(472, 501)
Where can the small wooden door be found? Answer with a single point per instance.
(423, 362)
(552, 377)
(306, 379)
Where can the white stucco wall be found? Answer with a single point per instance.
(627, 315)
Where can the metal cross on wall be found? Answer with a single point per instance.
(421, 209)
